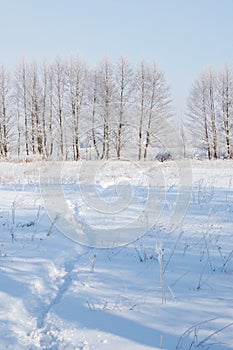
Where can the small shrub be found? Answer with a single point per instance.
(162, 157)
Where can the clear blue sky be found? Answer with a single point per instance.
(183, 36)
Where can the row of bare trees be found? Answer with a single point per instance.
(67, 110)
(210, 114)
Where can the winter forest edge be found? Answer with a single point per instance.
(68, 111)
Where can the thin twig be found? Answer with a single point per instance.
(214, 333)
(173, 252)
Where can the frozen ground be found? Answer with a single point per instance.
(171, 288)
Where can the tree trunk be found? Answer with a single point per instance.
(142, 87)
(213, 122)
(25, 111)
(93, 118)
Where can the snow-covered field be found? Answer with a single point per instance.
(120, 255)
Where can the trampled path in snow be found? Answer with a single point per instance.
(58, 294)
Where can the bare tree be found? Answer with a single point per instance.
(77, 80)
(203, 112)
(17, 113)
(50, 145)
(21, 96)
(159, 105)
(93, 101)
(36, 125)
(141, 79)
(4, 111)
(58, 72)
(124, 83)
(153, 103)
(212, 110)
(226, 106)
(198, 122)
(44, 108)
(106, 97)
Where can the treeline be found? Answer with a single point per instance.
(67, 110)
(209, 120)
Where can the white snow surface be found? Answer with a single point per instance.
(166, 289)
